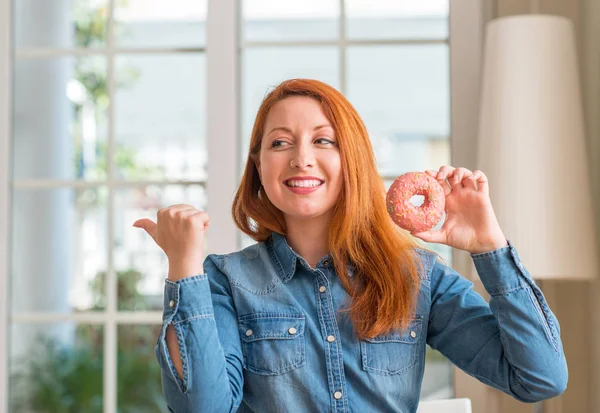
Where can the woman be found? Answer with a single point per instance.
(331, 310)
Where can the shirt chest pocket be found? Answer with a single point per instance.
(272, 343)
(393, 353)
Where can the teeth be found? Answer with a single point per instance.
(304, 183)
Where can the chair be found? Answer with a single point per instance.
(445, 406)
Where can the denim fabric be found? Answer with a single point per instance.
(261, 331)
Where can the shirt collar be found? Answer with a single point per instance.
(286, 258)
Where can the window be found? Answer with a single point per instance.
(389, 58)
(109, 126)
(113, 102)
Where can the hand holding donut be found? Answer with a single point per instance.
(179, 231)
(470, 224)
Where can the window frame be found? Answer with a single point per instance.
(223, 138)
(342, 42)
(110, 318)
(5, 134)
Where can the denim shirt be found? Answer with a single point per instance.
(261, 331)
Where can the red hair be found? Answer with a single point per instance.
(384, 287)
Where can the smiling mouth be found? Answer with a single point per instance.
(313, 183)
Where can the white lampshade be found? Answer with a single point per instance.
(532, 145)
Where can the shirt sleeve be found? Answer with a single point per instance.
(513, 343)
(201, 310)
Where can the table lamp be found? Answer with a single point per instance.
(531, 145)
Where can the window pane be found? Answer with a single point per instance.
(159, 23)
(56, 367)
(60, 117)
(264, 68)
(140, 264)
(58, 249)
(276, 20)
(404, 101)
(60, 24)
(161, 117)
(438, 377)
(393, 19)
(138, 374)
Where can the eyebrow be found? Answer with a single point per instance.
(283, 128)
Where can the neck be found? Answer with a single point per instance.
(308, 238)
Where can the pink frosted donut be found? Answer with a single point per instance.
(404, 213)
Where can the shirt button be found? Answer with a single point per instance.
(248, 333)
(326, 263)
(292, 330)
(413, 334)
(331, 339)
(322, 288)
(172, 303)
(337, 395)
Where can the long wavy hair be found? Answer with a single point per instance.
(384, 286)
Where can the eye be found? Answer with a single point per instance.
(324, 141)
(278, 143)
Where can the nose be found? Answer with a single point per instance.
(304, 157)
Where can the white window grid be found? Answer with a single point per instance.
(110, 318)
(223, 44)
(343, 42)
(5, 129)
